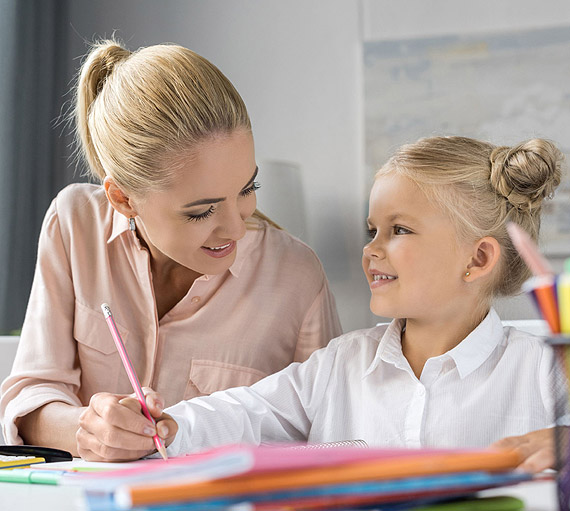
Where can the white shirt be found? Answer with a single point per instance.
(495, 383)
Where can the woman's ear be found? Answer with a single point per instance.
(486, 255)
(118, 199)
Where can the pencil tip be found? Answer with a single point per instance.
(162, 451)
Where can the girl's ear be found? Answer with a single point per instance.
(486, 254)
(118, 199)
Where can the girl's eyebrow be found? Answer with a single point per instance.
(200, 202)
(394, 217)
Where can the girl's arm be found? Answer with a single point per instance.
(279, 408)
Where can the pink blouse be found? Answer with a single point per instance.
(272, 307)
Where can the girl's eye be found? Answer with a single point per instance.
(248, 191)
(399, 230)
(201, 216)
(371, 233)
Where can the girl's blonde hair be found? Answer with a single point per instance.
(481, 187)
(135, 111)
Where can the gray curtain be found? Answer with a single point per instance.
(34, 163)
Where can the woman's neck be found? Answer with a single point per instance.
(170, 280)
(424, 339)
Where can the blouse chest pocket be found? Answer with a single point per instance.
(101, 366)
(207, 376)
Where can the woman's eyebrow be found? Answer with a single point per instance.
(200, 202)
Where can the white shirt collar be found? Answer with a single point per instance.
(468, 355)
(474, 350)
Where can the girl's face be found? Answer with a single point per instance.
(413, 263)
(197, 221)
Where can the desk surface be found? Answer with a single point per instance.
(538, 496)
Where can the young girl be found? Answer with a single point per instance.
(206, 292)
(444, 372)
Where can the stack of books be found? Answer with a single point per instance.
(280, 478)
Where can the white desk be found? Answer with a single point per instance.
(538, 496)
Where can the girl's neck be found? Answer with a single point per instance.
(424, 339)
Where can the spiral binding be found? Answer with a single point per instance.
(328, 445)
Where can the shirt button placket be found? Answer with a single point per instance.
(415, 417)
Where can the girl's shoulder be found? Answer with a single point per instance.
(364, 339)
(523, 342)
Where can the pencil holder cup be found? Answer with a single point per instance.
(561, 398)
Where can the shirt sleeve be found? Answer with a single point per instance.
(553, 384)
(45, 367)
(320, 324)
(279, 408)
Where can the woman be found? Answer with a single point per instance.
(207, 293)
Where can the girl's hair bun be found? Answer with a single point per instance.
(527, 173)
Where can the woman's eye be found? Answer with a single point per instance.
(398, 229)
(200, 216)
(249, 190)
(371, 233)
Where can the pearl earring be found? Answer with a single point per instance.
(132, 225)
(467, 274)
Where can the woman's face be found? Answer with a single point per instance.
(197, 221)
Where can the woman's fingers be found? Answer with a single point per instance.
(167, 428)
(129, 418)
(154, 402)
(111, 431)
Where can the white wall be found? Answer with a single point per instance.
(386, 19)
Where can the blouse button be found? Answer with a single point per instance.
(195, 299)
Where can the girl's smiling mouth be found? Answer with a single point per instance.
(381, 278)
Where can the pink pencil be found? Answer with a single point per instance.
(131, 374)
(537, 264)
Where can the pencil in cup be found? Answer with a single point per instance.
(131, 374)
(543, 290)
(563, 288)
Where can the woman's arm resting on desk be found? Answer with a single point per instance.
(536, 448)
(113, 428)
(52, 425)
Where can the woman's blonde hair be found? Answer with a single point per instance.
(481, 187)
(134, 111)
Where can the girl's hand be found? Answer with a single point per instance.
(113, 428)
(536, 449)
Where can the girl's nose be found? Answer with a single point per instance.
(373, 250)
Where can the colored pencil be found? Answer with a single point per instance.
(131, 374)
(528, 250)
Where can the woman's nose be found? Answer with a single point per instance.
(232, 224)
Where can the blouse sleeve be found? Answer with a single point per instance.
(320, 324)
(45, 368)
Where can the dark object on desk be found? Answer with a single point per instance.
(49, 454)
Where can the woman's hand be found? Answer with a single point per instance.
(536, 449)
(113, 428)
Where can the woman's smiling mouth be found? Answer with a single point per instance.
(221, 251)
